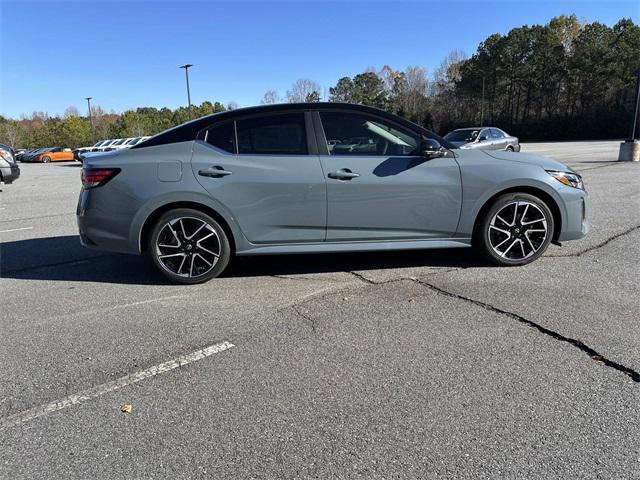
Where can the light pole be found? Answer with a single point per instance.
(88, 99)
(186, 74)
(630, 149)
(482, 105)
(635, 115)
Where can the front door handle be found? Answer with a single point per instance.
(343, 174)
(214, 172)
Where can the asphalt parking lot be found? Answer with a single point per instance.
(409, 364)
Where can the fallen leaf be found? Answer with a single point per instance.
(126, 408)
(597, 358)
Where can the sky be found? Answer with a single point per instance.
(126, 54)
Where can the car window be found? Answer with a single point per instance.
(283, 134)
(495, 133)
(485, 135)
(462, 135)
(221, 136)
(358, 134)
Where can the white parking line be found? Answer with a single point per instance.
(16, 229)
(91, 393)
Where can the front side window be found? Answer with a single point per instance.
(358, 134)
(221, 136)
(283, 134)
(462, 135)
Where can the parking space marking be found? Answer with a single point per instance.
(91, 393)
(16, 229)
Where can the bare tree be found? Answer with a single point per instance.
(270, 97)
(10, 132)
(301, 89)
(232, 105)
(448, 72)
(71, 111)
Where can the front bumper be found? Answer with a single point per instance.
(10, 173)
(575, 221)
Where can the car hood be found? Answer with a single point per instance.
(544, 162)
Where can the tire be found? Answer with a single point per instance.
(195, 247)
(521, 237)
(510, 149)
(46, 159)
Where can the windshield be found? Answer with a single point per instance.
(462, 135)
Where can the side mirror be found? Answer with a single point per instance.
(431, 148)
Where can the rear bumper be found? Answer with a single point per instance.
(10, 173)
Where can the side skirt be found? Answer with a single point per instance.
(327, 247)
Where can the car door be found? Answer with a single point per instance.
(485, 142)
(378, 188)
(499, 141)
(264, 169)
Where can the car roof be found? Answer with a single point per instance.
(189, 130)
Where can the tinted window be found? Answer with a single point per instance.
(358, 134)
(495, 133)
(484, 135)
(273, 135)
(221, 136)
(462, 135)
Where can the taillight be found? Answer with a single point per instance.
(96, 177)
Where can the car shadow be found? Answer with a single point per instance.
(63, 258)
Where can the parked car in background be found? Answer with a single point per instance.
(54, 154)
(483, 138)
(9, 169)
(29, 155)
(263, 180)
(126, 143)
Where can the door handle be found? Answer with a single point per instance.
(343, 174)
(214, 172)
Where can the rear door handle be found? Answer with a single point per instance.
(343, 174)
(214, 172)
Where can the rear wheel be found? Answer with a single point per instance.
(46, 159)
(516, 230)
(189, 246)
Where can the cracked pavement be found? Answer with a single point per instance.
(391, 365)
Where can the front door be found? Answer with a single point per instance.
(267, 179)
(378, 188)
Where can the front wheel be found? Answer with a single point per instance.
(189, 246)
(46, 159)
(516, 230)
(510, 148)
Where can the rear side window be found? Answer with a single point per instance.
(496, 133)
(221, 136)
(273, 135)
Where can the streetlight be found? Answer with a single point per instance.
(88, 99)
(482, 105)
(186, 74)
(630, 149)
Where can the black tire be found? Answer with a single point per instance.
(173, 237)
(485, 233)
(510, 149)
(46, 159)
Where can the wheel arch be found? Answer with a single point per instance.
(537, 192)
(151, 219)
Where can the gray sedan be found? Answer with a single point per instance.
(484, 138)
(320, 177)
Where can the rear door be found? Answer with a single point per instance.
(265, 170)
(499, 139)
(378, 188)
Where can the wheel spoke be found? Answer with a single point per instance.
(533, 249)
(534, 221)
(504, 221)
(515, 212)
(204, 259)
(509, 248)
(503, 242)
(200, 247)
(524, 214)
(184, 259)
(196, 232)
(522, 248)
(171, 255)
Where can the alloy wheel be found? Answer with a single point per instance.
(188, 247)
(518, 230)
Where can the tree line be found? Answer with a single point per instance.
(567, 79)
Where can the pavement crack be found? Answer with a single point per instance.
(601, 244)
(308, 319)
(593, 354)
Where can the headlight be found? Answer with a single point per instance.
(568, 178)
(6, 155)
